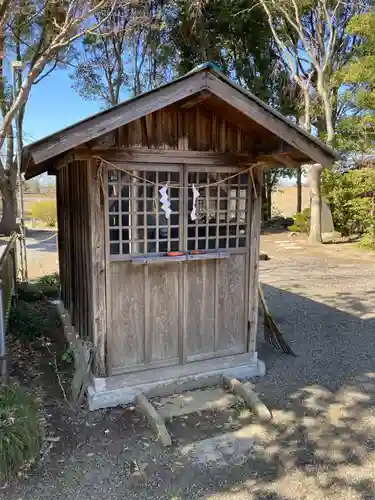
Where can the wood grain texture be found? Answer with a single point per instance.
(76, 257)
(127, 324)
(231, 303)
(197, 129)
(253, 279)
(161, 156)
(98, 269)
(64, 239)
(164, 310)
(200, 308)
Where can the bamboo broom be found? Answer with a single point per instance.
(272, 334)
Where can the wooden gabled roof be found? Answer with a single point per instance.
(203, 79)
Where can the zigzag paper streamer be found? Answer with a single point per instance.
(193, 214)
(164, 200)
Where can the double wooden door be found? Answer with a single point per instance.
(165, 312)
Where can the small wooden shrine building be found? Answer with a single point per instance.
(166, 289)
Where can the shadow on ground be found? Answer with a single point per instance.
(320, 443)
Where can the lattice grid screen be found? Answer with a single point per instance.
(137, 225)
(221, 211)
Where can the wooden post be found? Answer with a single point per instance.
(299, 189)
(254, 242)
(3, 361)
(314, 173)
(98, 267)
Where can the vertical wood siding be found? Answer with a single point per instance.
(74, 250)
(196, 129)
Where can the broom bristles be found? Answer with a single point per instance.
(272, 334)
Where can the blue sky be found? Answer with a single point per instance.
(53, 105)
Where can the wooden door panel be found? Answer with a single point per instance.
(231, 304)
(200, 309)
(164, 321)
(127, 316)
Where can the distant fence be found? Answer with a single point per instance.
(8, 281)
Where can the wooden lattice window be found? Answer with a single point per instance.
(138, 226)
(221, 212)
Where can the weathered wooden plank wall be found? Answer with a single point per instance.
(254, 243)
(74, 249)
(99, 295)
(196, 129)
(64, 235)
(148, 325)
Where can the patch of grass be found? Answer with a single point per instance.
(31, 320)
(20, 430)
(368, 241)
(47, 286)
(33, 316)
(46, 212)
(50, 280)
(68, 356)
(29, 292)
(301, 222)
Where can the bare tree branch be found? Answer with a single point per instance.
(76, 23)
(4, 6)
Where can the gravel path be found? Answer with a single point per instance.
(41, 252)
(321, 442)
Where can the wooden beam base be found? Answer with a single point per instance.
(251, 398)
(155, 419)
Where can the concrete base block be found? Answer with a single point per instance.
(123, 389)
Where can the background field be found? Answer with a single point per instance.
(285, 200)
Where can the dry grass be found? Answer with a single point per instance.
(285, 200)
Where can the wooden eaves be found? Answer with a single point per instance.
(198, 84)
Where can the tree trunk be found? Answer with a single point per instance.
(269, 202)
(314, 173)
(328, 116)
(328, 112)
(8, 222)
(266, 201)
(299, 190)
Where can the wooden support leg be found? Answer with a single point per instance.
(155, 420)
(246, 392)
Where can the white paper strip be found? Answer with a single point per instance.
(193, 214)
(164, 200)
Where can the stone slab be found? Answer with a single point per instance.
(227, 450)
(327, 226)
(193, 401)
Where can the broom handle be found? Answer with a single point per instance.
(263, 301)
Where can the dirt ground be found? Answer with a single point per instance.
(320, 443)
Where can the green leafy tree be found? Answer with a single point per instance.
(238, 38)
(315, 44)
(356, 133)
(351, 197)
